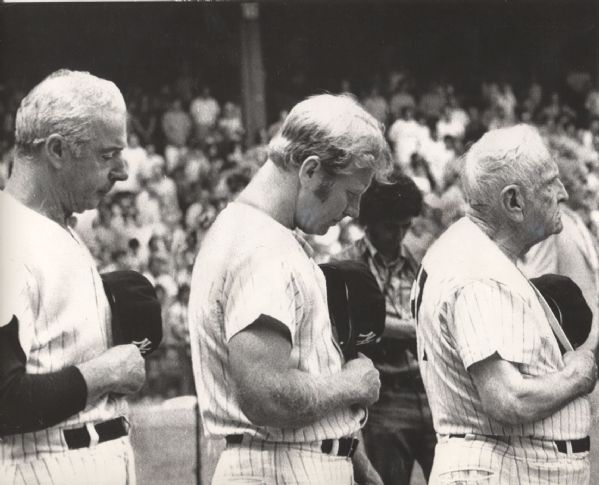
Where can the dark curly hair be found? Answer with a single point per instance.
(398, 198)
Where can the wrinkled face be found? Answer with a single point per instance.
(90, 176)
(386, 235)
(328, 200)
(543, 215)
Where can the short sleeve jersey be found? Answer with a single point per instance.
(471, 302)
(250, 265)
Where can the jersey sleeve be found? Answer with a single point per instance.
(490, 319)
(262, 284)
(18, 299)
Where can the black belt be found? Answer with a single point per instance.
(106, 431)
(578, 446)
(347, 446)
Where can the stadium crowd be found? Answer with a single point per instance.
(188, 156)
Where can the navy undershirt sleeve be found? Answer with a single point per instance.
(32, 402)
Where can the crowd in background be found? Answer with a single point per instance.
(188, 156)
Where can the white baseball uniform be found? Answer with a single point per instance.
(51, 285)
(471, 302)
(249, 265)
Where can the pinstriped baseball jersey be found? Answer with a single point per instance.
(470, 302)
(50, 283)
(251, 265)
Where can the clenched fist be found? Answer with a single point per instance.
(365, 376)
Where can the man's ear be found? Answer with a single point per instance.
(56, 150)
(309, 172)
(512, 202)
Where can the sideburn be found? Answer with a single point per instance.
(323, 191)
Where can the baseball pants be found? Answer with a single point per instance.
(507, 461)
(108, 463)
(259, 462)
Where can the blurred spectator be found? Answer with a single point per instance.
(432, 101)
(592, 102)
(438, 152)
(176, 125)
(376, 105)
(401, 99)
(204, 111)
(405, 137)
(533, 101)
(230, 123)
(165, 190)
(159, 273)
(137, 160)
(184, 83)
(144, 122)
(504, 98)
(450, 125)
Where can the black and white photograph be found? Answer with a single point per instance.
(299, 242)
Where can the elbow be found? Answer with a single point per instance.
(262, 412)
(256, 412)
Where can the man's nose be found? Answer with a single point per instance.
(119, 169)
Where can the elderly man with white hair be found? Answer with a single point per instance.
(509, 405)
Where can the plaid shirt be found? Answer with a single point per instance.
(391, 355)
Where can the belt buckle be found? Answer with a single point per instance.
(94, 438)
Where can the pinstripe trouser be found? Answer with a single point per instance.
(511, 460)
(108, 463)
(266, 463)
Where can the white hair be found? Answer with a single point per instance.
(504, 156)
(66, 103)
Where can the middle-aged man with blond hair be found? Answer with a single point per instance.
(269, 375)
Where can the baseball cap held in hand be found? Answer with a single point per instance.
(567, 303)
(136, 312)
(356, 304)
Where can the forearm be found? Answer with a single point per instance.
(98, 381)
(295, 398)
(535, 398)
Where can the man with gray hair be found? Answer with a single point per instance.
(508, 406)
(62, 411)
(270, 377)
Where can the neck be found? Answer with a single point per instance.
(269, 192)
(503, 236)
(31, 187)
